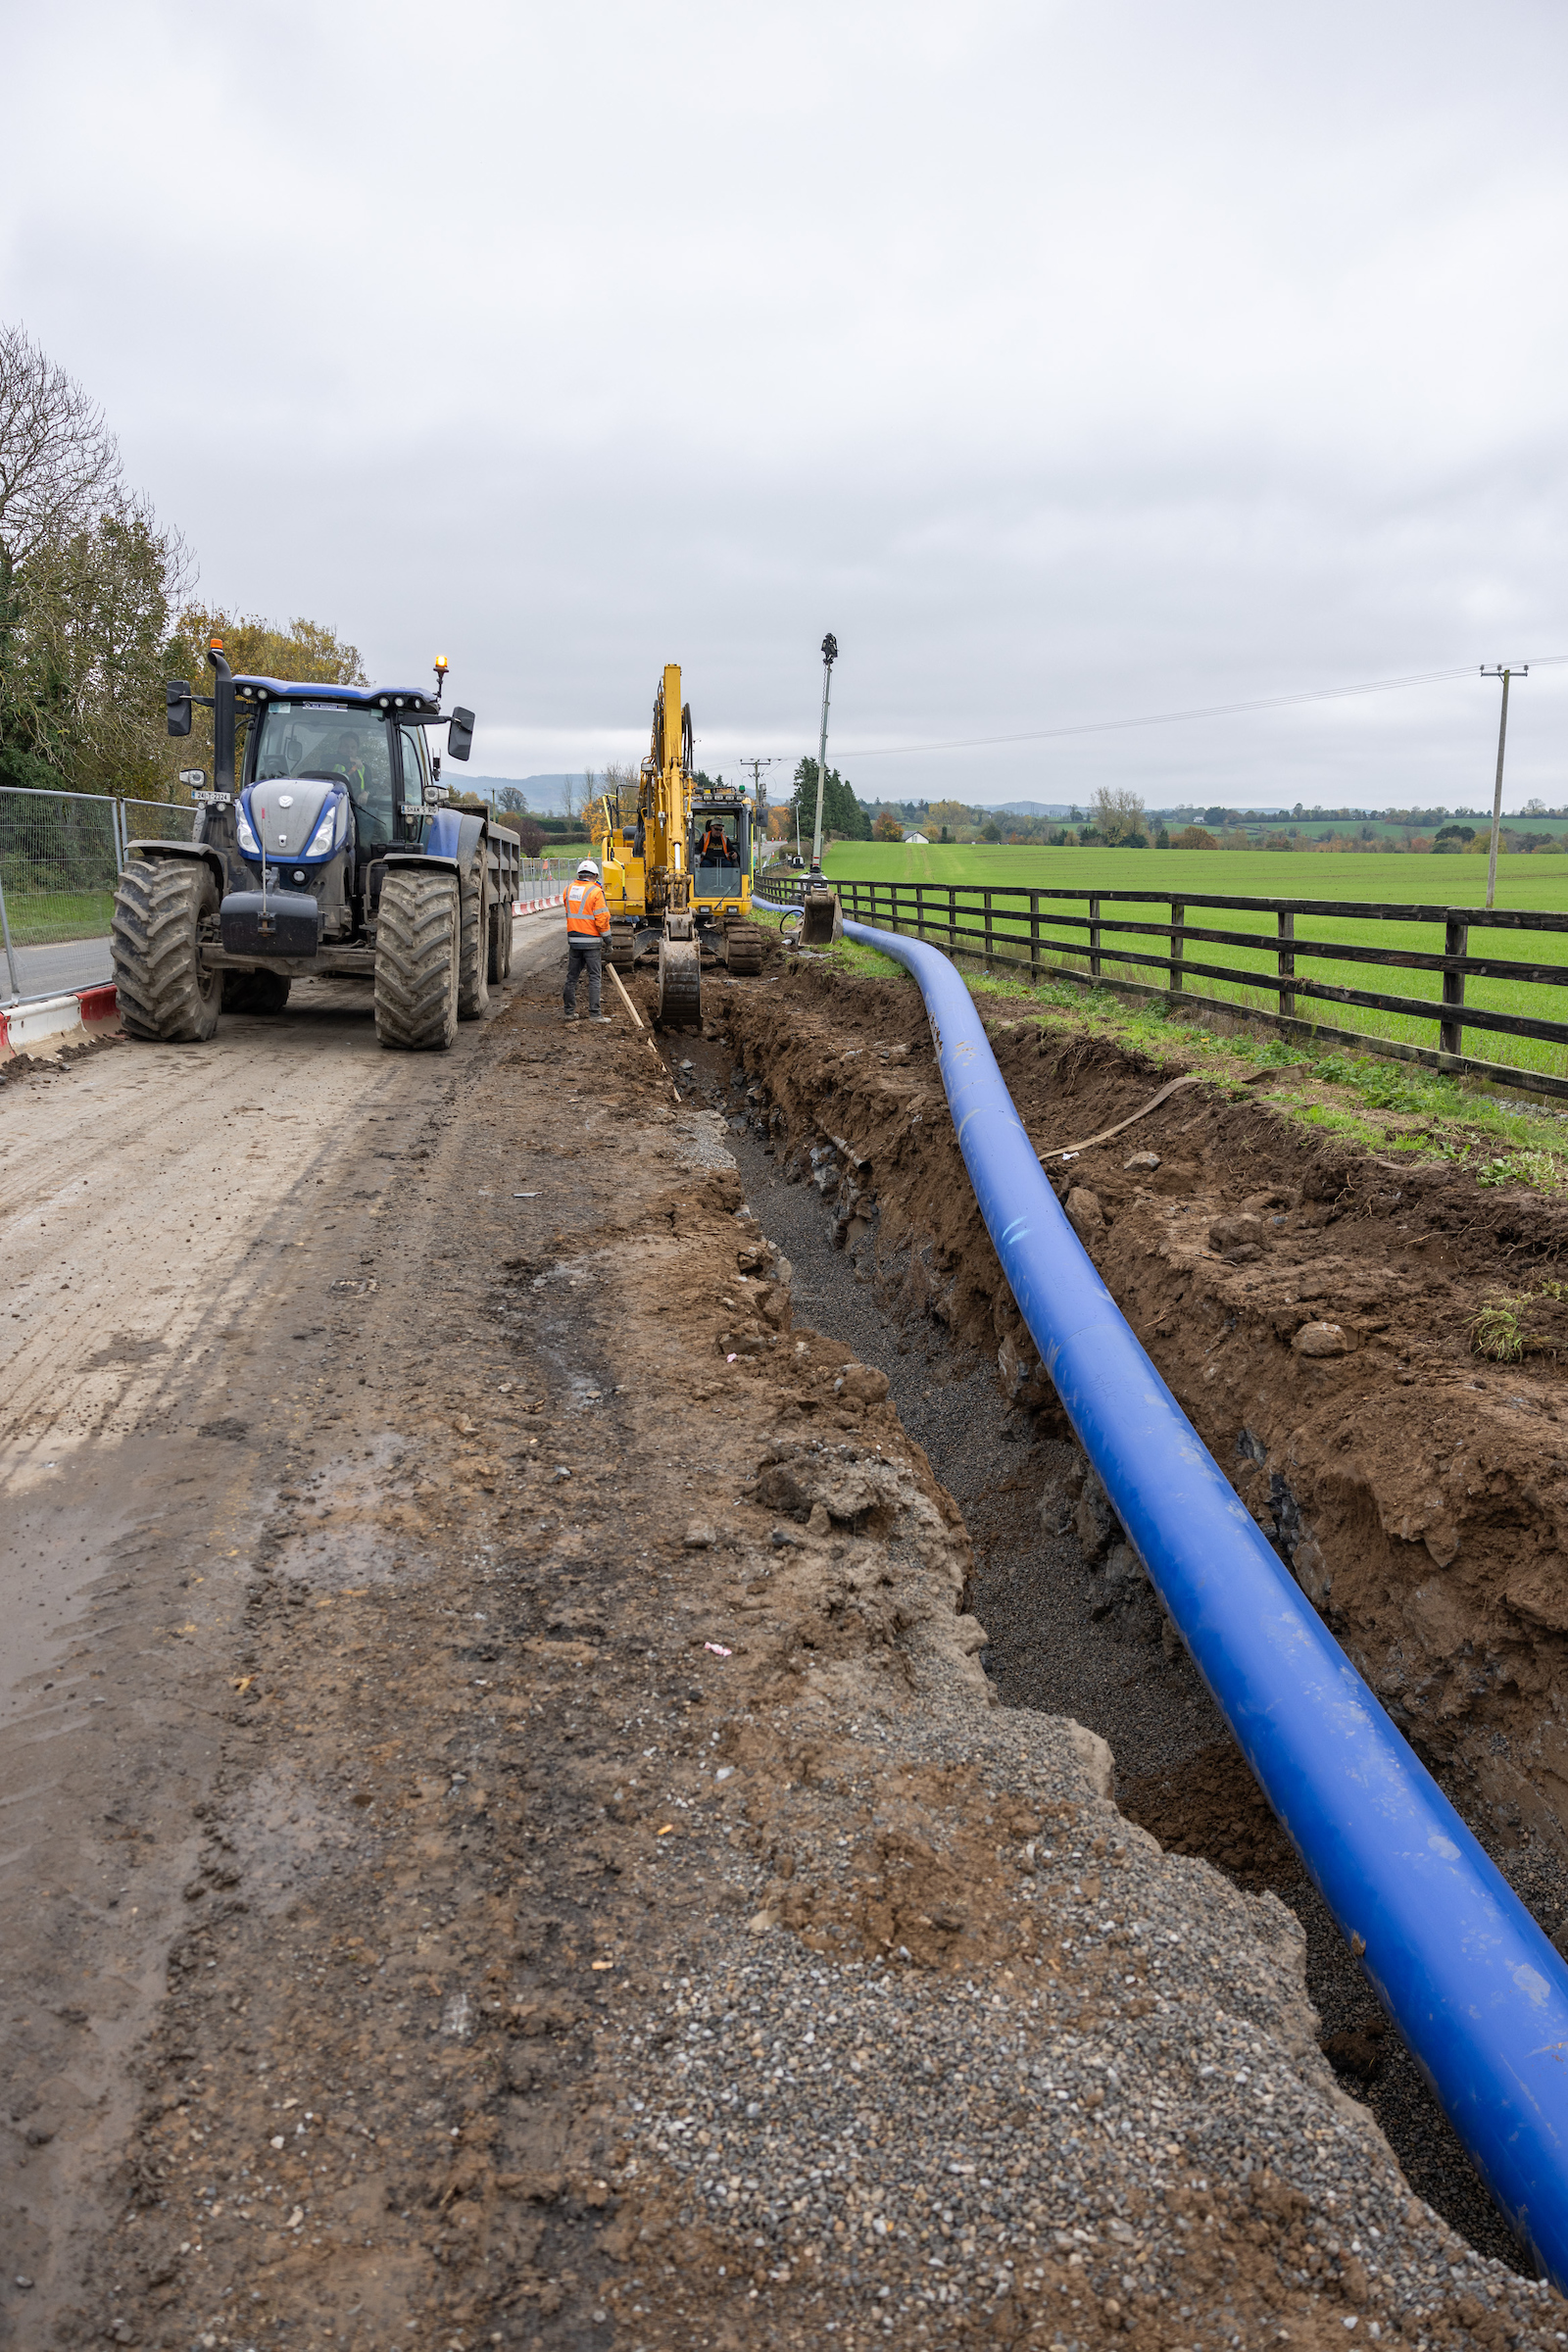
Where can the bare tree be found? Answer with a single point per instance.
(620, 785)
(1115, 813)
(590, 783)
(58, 461)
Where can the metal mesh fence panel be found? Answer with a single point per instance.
(156, 821)
(59, 854)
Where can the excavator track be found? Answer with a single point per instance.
(680, 985)
(623, 947)
(743, 950)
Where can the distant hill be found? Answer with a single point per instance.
(545, 794)
(1031, 808)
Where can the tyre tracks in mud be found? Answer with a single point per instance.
(591, 1897)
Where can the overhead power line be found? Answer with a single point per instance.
(1166, 719)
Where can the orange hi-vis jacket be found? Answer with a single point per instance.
(587, 915)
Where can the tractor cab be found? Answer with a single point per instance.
(327, 762)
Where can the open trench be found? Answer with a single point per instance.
(868, 1208)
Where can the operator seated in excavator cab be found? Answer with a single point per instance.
(712, 848)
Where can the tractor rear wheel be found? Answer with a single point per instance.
(473, 959)
(255, 991)
(679, 1002)
(416, 940)
(155, 945)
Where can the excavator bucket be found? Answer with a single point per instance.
(821, 922)
(680, 985)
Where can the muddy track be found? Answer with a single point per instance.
(601, 1903)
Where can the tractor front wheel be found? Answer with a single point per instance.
(154, 947)
(417, 943)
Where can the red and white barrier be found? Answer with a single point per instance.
(537, 905)
(45, 1023)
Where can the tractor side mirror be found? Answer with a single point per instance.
(460, 733)
(177, 700)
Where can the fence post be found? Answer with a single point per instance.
(1034, 935)
(1178, 945)
(5, 933)
(1451, 1032)
(987, 895)
(1287, 924)
(952, 922)
(1093, 939)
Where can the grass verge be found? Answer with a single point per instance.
(1379, 1105)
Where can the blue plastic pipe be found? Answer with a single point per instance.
(1478, 1993)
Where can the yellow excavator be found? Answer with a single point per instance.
(677, 869)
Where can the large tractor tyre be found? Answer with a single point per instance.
(509, 924)
(680, 985)
(417, 945)
(255, 991)
(473, 959)
(155, 945)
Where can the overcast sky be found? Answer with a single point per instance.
(1071, 363)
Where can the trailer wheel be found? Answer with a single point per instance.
(474, 961)
(416, 944)
(255, 991)
(500, 942)
(154, 946)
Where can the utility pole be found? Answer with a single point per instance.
(758, 792)
(1497, 671)
(830, 653)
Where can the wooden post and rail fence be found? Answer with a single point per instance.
(1029, 931)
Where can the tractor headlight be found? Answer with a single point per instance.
(321, 841)
(250, 846)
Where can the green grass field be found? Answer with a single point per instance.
(42, 918)
(1534, 885)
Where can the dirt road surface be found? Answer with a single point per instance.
(507, 1838)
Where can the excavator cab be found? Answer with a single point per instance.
(678, 876)
(719, 855)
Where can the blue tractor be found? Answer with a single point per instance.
(322, 849)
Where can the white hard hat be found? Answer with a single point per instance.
(588, 867)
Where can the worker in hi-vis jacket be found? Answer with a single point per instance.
(587, 930)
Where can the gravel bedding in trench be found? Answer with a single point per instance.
(1034, 1594)
(1061, 1635)
(1054, 1645)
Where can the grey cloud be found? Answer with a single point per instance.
(1068, 364)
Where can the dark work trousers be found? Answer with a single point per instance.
(581, 951)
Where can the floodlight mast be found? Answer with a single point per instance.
(1498, 671)
(830, 653)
